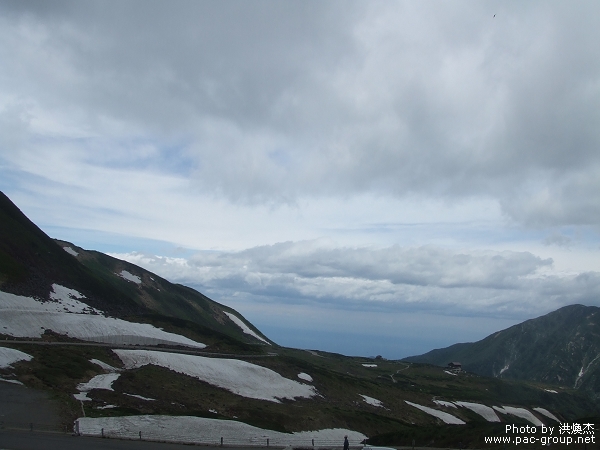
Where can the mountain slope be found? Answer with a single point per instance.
(562, 348)
(110, 339)
(31, 263)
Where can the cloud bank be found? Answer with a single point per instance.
(423, 279)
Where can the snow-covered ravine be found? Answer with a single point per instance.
(199, 430)
(235, 319)
(65, 314)
(240, 377)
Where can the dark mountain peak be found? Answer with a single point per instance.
(31, 263)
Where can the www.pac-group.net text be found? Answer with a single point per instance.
(565, 433)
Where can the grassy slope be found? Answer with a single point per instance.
(338, 379)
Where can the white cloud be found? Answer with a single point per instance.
(481, 283)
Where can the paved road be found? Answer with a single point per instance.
(26, 440)
(187, 351)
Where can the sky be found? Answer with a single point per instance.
(369, 178)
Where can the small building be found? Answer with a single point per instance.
(455, 366)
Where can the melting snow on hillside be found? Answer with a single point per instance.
(65, 314)
(103, 381)
(444, 403)
(484, 411)
(235, 319)
(240, 377)
(372, 401)
(520, 412)
(70, 251)
(130, 277)
(188, 429)
(9, 356)
(546, 413)
(305, 377)
(444, 416)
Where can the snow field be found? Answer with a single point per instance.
(9, 356)
(130, 277)
(546, 413)
(484, 411)
(372, 401)
(519, 412)
(70, 251)
(188, 429)
(235, 319)
(239, 377)
(104, 366)
(444, 416)
(28, 317)
(305, 377)
(103, 381)
(444, 403)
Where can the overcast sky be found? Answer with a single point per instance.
(361, 177)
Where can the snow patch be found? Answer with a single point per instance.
(235, 319)
(372, 401)
(504, 369)
(305, 377)
(240, 377)
(9, 356)
(28, 317)
(484, 411)
(552, 391)
(188, 429)
(130, 277)
(444, 403)
(70, 251)
(520, 412)
(450, 373)
(66, 301)
(103, 381)
(104, 366)
(11, 381)
(369, 365)
(444, 416)
(546, 413)
(140, 397)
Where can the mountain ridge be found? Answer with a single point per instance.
(561, 348)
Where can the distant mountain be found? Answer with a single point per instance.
(31, 263)
(562, 348)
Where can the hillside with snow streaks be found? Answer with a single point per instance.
(519, 412)
(444, 416)
(240, 377)
(235, 319)
(208, 431)
(484, 411)
(548, 414)
(28, 317)
(9, 356)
